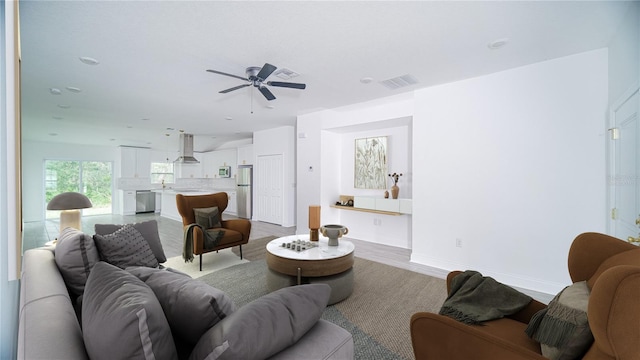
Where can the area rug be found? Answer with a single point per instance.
(210, 262)
(377, 313)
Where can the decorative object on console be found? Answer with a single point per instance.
(333, 232)
(386, 194)
(70, 203)
(370, 163)
(314, 222)
(395, 189)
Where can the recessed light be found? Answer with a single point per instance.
(112, 139)
(53, 134)
(270, 107)
(64, 106)
(55, 91)
(89, 61)
(170, 129)
(145, 119)
(228, 118)
(57, 117)
(129, 127)
(497, 44)
(167, 134)
(366, 80)
(73, 89)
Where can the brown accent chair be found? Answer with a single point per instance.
(236, 231)
(611, 268)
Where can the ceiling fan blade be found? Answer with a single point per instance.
(225, 74)
(287, 84)
(233, 88)
(266, 70)
(266, 93)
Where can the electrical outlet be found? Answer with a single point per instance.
(458, 243)
(377, 222)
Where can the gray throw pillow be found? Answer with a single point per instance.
(207, 217)
(125, 247)
(75, 256)
(266, 325)
(562, 328)
(149, 231)
(122, 319)
(191, 306)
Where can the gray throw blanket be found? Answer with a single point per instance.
(474, 299)
(211, 239)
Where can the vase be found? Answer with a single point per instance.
(386, 194)
(333, 232)
(394, 191)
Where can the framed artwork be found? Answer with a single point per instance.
(371, 163)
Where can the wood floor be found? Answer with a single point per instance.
(36, 234)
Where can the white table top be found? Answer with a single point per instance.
(322, 252)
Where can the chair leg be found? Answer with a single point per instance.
(240, 252)
(200, 262)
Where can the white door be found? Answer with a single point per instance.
(269, 189)
(625, 166)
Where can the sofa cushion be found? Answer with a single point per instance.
(125, 247)
(562, 327)
(149, 231)
(191, 306)
(266, 325)
(208, 218)
(122, 319)
(75, 256)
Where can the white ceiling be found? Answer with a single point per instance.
(153, 56)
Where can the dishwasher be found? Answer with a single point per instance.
(145, 201)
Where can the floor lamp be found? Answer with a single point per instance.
(70, 203)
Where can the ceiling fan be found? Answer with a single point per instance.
(256, 76)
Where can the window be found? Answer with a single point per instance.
(92, 178)
(161, 173)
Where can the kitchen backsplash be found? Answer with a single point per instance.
(190, 183)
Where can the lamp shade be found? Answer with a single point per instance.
(69, 201)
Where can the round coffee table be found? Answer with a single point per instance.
(331, 265)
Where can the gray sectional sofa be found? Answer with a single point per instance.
(147, 312)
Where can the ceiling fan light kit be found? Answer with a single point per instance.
(256, 77)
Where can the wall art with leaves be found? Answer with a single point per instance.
(371, 163)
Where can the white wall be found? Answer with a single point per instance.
(624, 55)
(279, 141)
(513, 164)
(33, 156)
(326, 143)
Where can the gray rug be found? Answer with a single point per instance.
(377, 313)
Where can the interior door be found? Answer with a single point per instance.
(625, 166)
(269, 206)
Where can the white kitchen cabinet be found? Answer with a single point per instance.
(209, 169)
(135, 162)
(158, 201)
(128, 202)
(232, 206)
(213, 160)
(245, 155)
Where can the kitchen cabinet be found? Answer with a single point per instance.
(128, 202)
(158, 201)
(245, 155)
(135, 162)
(213, 160)
(232, 206)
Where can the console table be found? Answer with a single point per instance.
(331, 265)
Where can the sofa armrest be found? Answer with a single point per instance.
(439, 337)
(240, 225)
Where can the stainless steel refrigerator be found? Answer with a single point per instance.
(244, 178)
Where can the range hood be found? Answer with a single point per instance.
(186, 150)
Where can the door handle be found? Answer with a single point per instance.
(638, 220)
(634, 240)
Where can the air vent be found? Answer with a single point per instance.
(285, 74)
(400, 81)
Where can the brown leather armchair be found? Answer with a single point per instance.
(611, 268)
(236, 231)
